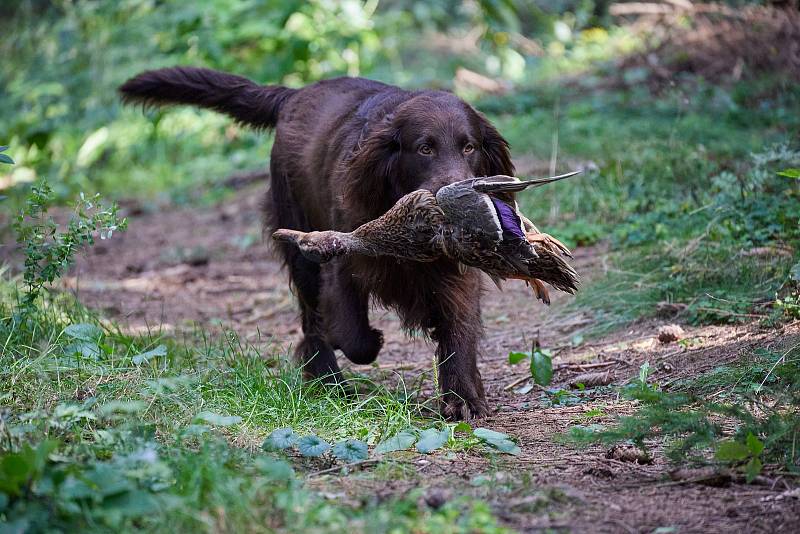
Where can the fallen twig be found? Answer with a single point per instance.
(335, 468)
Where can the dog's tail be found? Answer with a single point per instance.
(244, 100)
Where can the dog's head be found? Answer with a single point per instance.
(428, 141)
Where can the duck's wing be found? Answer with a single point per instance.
(511, 184)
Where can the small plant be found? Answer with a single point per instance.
(760, 399)
(748, 454)
(313, 446)
(49, 252)
(541, 364)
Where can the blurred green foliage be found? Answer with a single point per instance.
(64, 59)
(658, 160)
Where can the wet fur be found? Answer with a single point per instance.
(342, 157)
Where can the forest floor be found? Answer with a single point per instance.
(178, 268)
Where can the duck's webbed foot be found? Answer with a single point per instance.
(548, 242)
(319, 247)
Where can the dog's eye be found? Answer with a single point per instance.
(425, 150)
(468, 148)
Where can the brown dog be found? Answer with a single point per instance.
(345, 151)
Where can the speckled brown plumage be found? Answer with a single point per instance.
(416, 229)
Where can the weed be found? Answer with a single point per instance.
(48, 252)
(758, 400)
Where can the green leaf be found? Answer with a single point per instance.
(401, 441)
(279, 439)
(216, 419)
(139, 359)
(488, 434)
(86, 349)
(15, 466)
(463, 427)
(84, 332)
(351, 450)
(790, 173)
(516, 357)
(732, 451)
(754, 444)
(542, 367)
(752, 469)
(312, 445)
(274, 469)
(497, 440)
(432, 439)
(5, 158)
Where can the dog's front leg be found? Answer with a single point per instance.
(458, 330)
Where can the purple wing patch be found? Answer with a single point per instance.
(509, 220)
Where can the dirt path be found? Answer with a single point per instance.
(210, 266)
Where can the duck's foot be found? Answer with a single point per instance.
(549, 242)
(319, 247)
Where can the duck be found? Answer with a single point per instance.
(476, 222)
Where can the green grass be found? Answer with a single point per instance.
(683, 186)
(121, 447)
(748, 407)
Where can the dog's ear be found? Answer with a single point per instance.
(494, 149)
(369, 172)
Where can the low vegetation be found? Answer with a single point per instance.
(691, 190)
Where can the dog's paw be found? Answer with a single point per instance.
(456, 408)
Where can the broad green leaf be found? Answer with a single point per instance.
(463, 427)
(432, 439)
(216, 419)
(516, 357)
(497, 440)
(275, 469)
(15, 466)
(542, 367)
(754, 444)
(351, 450)
(86, 349)
(279, 439)
(139, 359)
(790, 173)
(752, 469)
(487, 434)
(401, 441)
(312, 445)
(732, 451)
(5, 158)
(84, 332)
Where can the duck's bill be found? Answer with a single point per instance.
(510, 184)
